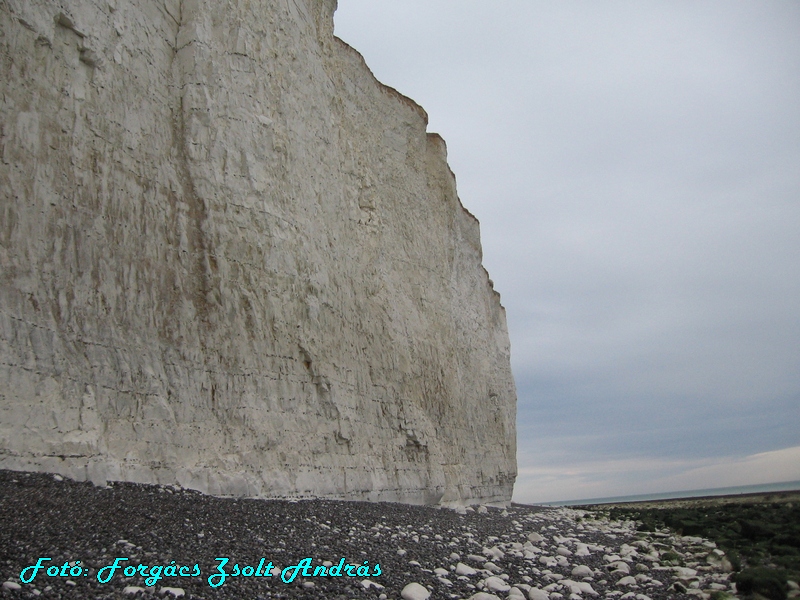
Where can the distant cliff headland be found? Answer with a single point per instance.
(234, 261)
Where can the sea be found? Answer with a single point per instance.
(783, 486)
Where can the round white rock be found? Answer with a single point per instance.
(495, 584)
(537, 594)
(484, 596)
(582, 571)
(414, 591)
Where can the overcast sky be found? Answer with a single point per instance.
(635, 167)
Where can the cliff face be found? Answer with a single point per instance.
(233, 260)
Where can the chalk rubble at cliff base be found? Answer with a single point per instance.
(519, 552)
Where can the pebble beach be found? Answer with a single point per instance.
(66, 539)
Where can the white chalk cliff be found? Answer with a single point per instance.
(232, 260)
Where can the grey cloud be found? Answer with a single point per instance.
(636, 171)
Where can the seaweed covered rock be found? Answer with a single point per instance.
(769, 583)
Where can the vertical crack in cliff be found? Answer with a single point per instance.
(200, 259)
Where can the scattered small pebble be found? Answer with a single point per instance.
(517, 553)
(132, 589)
